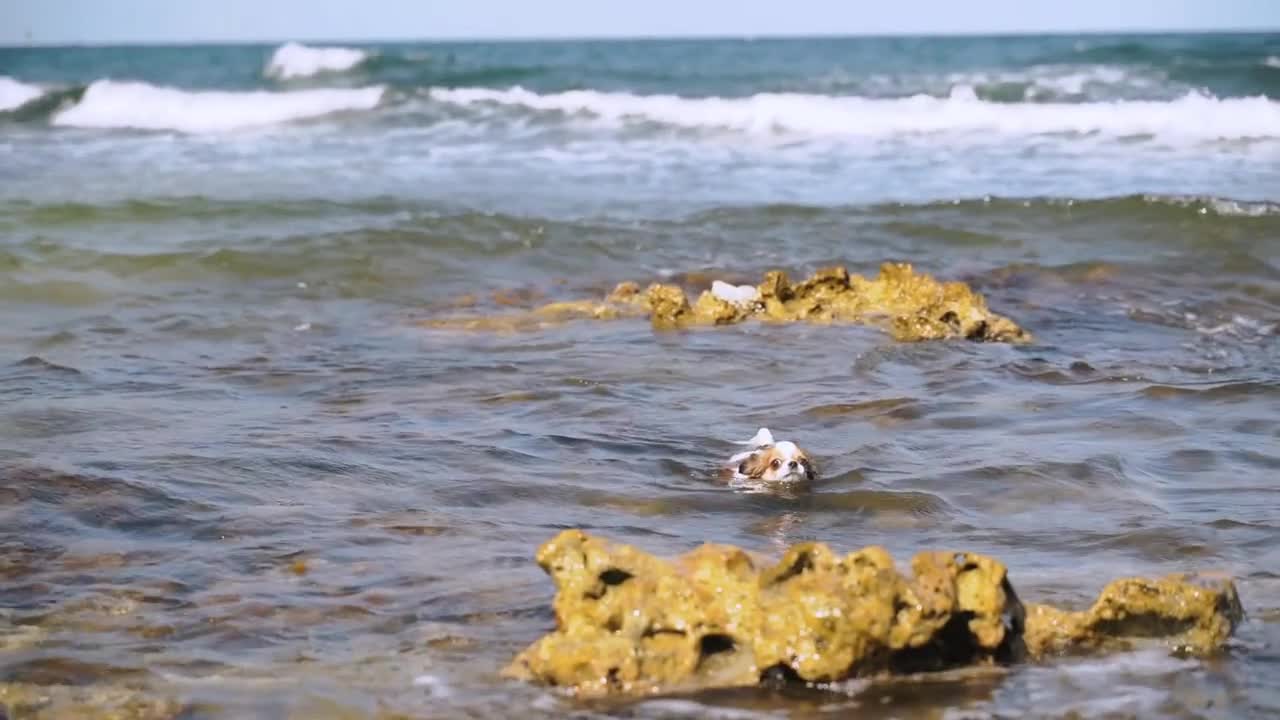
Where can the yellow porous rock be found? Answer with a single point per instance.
(1195, 613)
(629, 623)
(911, 306)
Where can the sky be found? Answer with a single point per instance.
(157, 21)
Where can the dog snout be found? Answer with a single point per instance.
(793, 464)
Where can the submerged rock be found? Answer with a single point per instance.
(911, 306)
(94, 702)
(628, 623)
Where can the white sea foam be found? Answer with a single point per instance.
(1049, 81)
(1218, 206)
(434, 684)
(293, 60)
(14, 94)
(1127, 678)
(1038, 82)
(1191, 117)
(112, 104)
(1075, 82)
(1272, 61)
(679, 708)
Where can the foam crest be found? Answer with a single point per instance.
(1191, 117)
(112, 104)
(1038, 83)
(294, 60)
(14, 94)
(1046, 83)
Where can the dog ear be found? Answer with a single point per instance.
(810, 470)
(754, 466)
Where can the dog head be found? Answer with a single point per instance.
(779, 462)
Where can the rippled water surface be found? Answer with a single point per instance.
(239, 477)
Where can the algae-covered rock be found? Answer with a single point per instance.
(667, 306)
(911, 306)
(1196, 614)
(628, 623)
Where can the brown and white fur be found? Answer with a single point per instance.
(769, 463)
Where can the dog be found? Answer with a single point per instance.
(769, 463)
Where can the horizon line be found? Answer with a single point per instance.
(745, 37)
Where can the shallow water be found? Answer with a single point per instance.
(235, 472)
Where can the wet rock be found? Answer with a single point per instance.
(549, 315)
(667, 306)
(1193, 614)
(911, 306)
(627, 293)
(518, 297)
(628, 623)
(711, 309)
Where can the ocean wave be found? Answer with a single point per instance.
(1147, 207)
(329, 246)
(1038, 83)
(293, 60)
(1047, 83)
(381, 210)
(1222, 207)
(137, 105)
(1272, 61)
(1073, 81)
(1193, 116)
(14, 94)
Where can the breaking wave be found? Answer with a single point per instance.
(1038, 83)
(293, 60)
(137, 105)
(14, 94)
(1191, 117)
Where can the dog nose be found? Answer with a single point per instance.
(792, 464)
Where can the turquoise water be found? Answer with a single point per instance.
(1145, 66)
(214, 261)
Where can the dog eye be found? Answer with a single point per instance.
(775, 464)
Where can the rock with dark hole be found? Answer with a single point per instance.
(628, 623)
